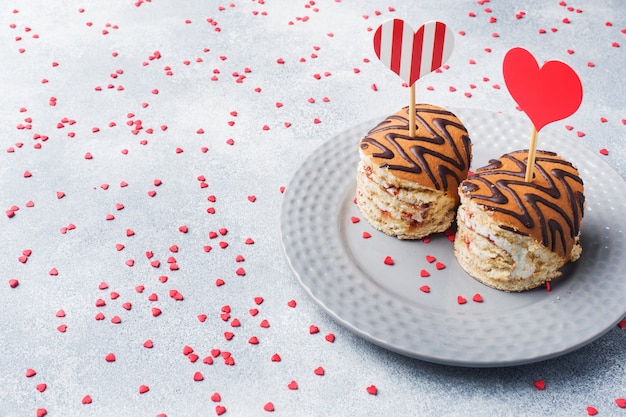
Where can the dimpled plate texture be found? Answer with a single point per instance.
(346, 274)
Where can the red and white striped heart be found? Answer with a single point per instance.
(410, 54)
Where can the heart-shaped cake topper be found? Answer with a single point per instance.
(410, 54)
(547, 94)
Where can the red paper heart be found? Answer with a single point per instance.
(546, 94)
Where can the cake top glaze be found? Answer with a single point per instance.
(549, 208)
(437, 157)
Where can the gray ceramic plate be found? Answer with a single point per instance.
(346, 275)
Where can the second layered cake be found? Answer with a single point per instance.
(515, 235)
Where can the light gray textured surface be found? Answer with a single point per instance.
(332, 38)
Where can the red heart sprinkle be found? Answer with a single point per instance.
(319, 371)
(540, 384)
(53, 272)
(291, 303)
(424, 273)
(425, 288)
(440, 265)
(461, 300)
(219, 282)
(41, 387)
(592, 411)
(366, 235)
(276, 357)
(313, 329)
(30, 373)
(389, 260)
(430, 259)
(372, 390)
(86, 399)
(258, 300)
(198, 377)
(604, 151)
(330, 337)
(621, 402)
(219, 410)
(269, 407)
(116, 320)
(143, 389)
(110, 357)
(41, 412)
(148, 344)
(477, 298)
(293, 385)
(354, 219)
(621, 324)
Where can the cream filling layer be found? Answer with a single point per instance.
(523, 267)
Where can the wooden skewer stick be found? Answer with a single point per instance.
(412, 112)
(531, 156)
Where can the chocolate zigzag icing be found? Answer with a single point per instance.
(550, 208)
(437, 157)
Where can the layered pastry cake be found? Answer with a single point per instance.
(408, 186)
(515, 235)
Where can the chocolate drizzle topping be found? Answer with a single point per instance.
(549, 208)
(437, 157)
